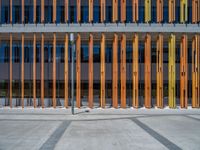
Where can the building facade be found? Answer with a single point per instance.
(129, 53)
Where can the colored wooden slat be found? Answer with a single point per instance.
(34, 10)
(148, 71)
(102, 72)
(159, 10)
(135, 10)
(195, 11)
(183, 10)
(183, 72)
(172, 71)
(22, 72)
(22, 11)
(42, 70)
(123, 71)
(123, 11)
(103, 10)
(115, 72)
(159, 71)
(34, 70)
(54, 70)
(11, 11)
(147, 11)
(90, 10)
(54, 10)
(171, 6)
(115, 10)
(90, 73)
(11, 40)
(66, 10)
(78, 4)
(42, 11)
(196, 71)
(135, 71)
(78, 71)
(66, 70)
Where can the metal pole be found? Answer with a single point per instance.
(72, 71)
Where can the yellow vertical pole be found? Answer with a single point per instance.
(66, 70)
(135, 71)
(147, 11)
(172, 71)
(22, 72)
(159, 71)
(102, 72)
(183, 11)
(115, 72)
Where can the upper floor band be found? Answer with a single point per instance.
(99, 11)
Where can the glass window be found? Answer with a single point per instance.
(72, 14)
(129, 14)
(96, 52)
(96, 14)
(16, 11)
(165, 14)
(141, 14)
(108, 53)
(129, 52)
(84, 53)
(16, 52)
(60, 53)
(5, 12)
(38, 53)
(84, 14)
(153, 14)
(108, 14)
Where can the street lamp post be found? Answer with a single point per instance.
(72, 70)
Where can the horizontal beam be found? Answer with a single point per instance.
(100, 27)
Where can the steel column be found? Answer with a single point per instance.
(34, 70)
(42, 70)
(135, 71)
(11, 40)
(123, 11)
(148, 71)
(171, 6)
(90, 73)
(22, 72)
(91, 5)
(159, 10)
(196, 71)
(78, 9)
(78, 71)
(54, 70)
(115, 72)
(54, 10)
(147, 11)
(114, 10)
(103, 10)
(123, 71)
(66, 10)
(135, 10)
(172, 71)
(159, 71)
(42, 11)
(102, 72)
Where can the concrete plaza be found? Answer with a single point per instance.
(99, 129)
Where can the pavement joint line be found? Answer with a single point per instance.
(196, 119)
(55, 136)
(163, 140)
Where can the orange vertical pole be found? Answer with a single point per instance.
(196, 71)
(11, 70)
(54, 10)
(11, 11)
(78, 11)
(78, 71)
(54, 70)
(42, 11)
(115, 72)
(90, 10)
(90, 73)
(183, 72)
(148, 71)
(66, 10)
(135, 71)
(123, 11)
(135, 10)
(195, 11)
(123, 71)
(115, 10)
(34, 10)
(102, 72)
(103, 10)
(22, 11)
(42, 70)
(159, 71)
(34, 70)
(66, 70)
(159, 10)
(22, 72)
(171, 10)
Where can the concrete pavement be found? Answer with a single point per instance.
(99, 129)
